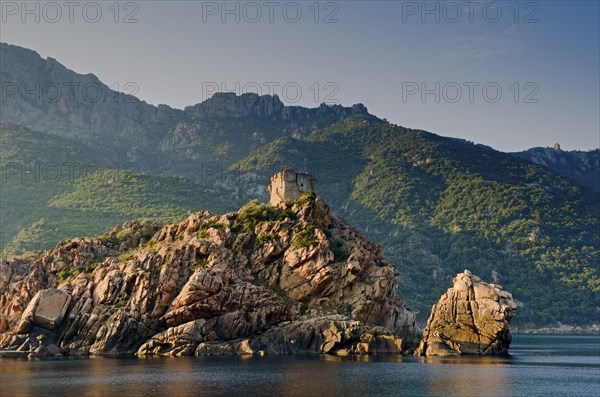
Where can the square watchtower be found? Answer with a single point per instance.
(289, 185)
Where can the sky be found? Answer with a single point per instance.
(511, 75)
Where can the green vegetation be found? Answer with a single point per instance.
(303, 308)
(254, 214)
(283, 214)
(265, 238)
(129, 194)
(305, 198)
(122, 303)
(579, 166)
(305, 238)
(200, 264)
(34, 170)
(212, 224)
(67, 273)
(51, 191)
(339, 252)
(440, 205)
(124, 257)
(91, 267)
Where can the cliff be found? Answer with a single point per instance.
(263, 279)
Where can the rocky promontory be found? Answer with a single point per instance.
(472, 317)
(258, 281)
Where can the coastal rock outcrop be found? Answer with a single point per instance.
(47, 309)
(332, 334)
(472, 317)
(264, 279)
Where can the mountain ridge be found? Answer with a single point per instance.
(121, 129)
(438, 204)
(580, 166)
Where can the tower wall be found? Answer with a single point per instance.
(289, 185)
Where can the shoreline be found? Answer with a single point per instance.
(561, 329)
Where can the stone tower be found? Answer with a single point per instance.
(289, 185)
(556, 147)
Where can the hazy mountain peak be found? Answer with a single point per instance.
(228, 104)
(44, 95)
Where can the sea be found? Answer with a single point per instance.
(538, 365)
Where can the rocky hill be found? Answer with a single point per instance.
(45, 96)
(263, 279)
(437, 204)
(580, 166)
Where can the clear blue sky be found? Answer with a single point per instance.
(381, 54)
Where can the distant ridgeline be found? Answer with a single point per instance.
(582, 167)
(438, 205)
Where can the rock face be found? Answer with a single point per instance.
(47, 309)
(45, 96)
(264, 279)
(472, 317)
(228, 104)
(333, 334)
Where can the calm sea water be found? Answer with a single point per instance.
(539, 365)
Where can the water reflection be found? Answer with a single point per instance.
(531, 370)
(471, 360)
(475, 376)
